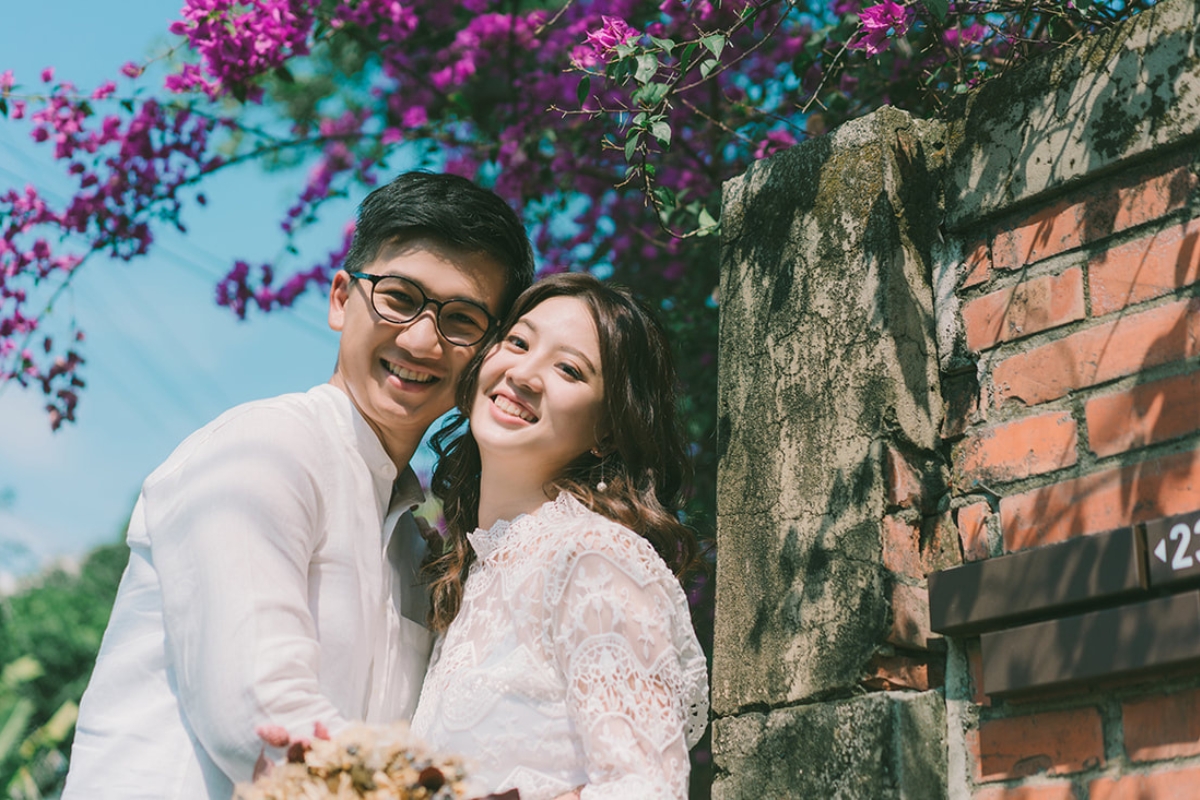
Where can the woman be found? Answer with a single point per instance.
(567, 665)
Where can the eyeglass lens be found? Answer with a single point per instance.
(460, 321)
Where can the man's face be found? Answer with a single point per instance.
(402, 376)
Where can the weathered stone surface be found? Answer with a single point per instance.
(883, 746)
(1125, 93)
(826, 353)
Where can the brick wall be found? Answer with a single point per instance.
(1082, 319)
(946, 341)
(1072, 401)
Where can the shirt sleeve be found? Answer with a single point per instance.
(634, 671)
(232, 528)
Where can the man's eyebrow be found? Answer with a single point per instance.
(474, 300)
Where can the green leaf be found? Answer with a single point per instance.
(715, 43)
(661, 130)
(631, 143)
(22, 670)
(284, 74)
(583, 89)
(3, 106)
(939, 8)
(685, 59)
(647, 66)
(639, 119)
(666, 45)
(665, 197)
(651, 94)
(707, 66)
(12, 728)
(706, 222)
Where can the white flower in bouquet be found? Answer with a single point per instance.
(372, 762)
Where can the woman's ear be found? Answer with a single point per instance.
(604, 446)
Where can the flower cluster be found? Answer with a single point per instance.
(536, 102)
(882, 22)
(127, 167)
(375, 763)
(238, 41)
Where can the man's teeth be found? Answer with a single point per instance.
(509, 407)
(408, 375)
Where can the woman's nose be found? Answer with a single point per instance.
(525, 374)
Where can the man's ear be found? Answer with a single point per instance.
(339, 294)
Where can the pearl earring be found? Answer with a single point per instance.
(602, 485)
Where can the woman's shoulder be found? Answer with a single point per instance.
(579, 533)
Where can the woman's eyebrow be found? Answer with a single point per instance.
(579, 354)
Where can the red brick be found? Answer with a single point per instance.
(1101, 353)
(887, 673)
(1146, 268)
(1052, 230)
(977, 266)
(910, 617)
(1146, 414)
(1026, 308)
(1153, 198)
(1179, 784)
(1163, 726)
(975, 667)
(1072, 223)
(1015, 450)
(1101, 501)
(901, 547)
(940, 546)
(1054, 742)
(973, 530)
(962, 404)
(903, 482)
(1045, 791)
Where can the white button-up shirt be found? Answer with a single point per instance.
(271, 579)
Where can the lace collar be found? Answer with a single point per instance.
(564, 507)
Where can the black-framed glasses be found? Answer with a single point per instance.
(396, 299)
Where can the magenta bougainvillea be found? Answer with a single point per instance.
(610, 124)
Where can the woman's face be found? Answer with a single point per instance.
(539, 403)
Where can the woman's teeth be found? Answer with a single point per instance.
(509, 407)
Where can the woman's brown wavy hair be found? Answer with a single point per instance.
(645, 467)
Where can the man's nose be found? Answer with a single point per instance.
(420, 334)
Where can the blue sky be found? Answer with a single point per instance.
(162, 358)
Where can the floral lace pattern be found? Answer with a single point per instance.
(573, 661)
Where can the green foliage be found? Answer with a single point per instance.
(50, 633)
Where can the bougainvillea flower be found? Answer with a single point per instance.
(613, 31)
(879, 23)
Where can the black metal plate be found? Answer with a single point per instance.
(1154, 633)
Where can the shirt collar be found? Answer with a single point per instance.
(407, 491)
(358, 433)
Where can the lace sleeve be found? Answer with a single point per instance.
(635, 677)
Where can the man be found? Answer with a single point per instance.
(273, 556)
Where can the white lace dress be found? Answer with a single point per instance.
(572, 661)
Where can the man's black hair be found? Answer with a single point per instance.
(453, 212)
